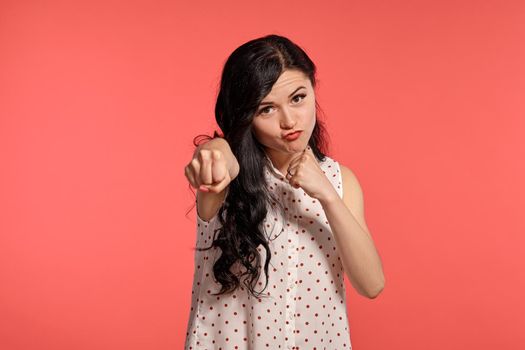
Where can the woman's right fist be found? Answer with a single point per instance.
(208, 171)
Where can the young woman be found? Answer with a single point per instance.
(268, 193)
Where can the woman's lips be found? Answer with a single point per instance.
(291, 137)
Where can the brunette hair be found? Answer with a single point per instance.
(247, 77)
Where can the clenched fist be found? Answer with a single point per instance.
(208, 170)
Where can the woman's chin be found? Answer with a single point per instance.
(297, 147)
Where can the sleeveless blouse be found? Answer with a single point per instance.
(306, 307)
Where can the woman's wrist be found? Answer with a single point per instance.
(329, 198)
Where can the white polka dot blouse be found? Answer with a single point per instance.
(306, 303)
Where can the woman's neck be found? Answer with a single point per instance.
(280, 160)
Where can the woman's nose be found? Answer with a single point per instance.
(287, 119)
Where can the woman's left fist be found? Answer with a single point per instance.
(304, 172)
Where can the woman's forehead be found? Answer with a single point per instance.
(288, 82)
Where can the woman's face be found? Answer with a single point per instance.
(289, 107)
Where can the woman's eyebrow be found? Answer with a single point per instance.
(269, 102)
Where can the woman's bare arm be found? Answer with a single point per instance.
(209, 203)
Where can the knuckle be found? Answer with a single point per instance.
(204, 154)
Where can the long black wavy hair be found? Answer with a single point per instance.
(247, 77)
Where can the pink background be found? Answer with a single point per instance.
(99, 102)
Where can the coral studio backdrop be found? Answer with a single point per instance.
(100, 101)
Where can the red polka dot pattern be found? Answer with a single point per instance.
(307, 304)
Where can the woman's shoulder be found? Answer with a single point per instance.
(342, 176)
(347, 175)
(331, 169)
(330, 164)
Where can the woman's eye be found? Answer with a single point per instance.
(262, 110)
(302, 96)
(265, 109)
